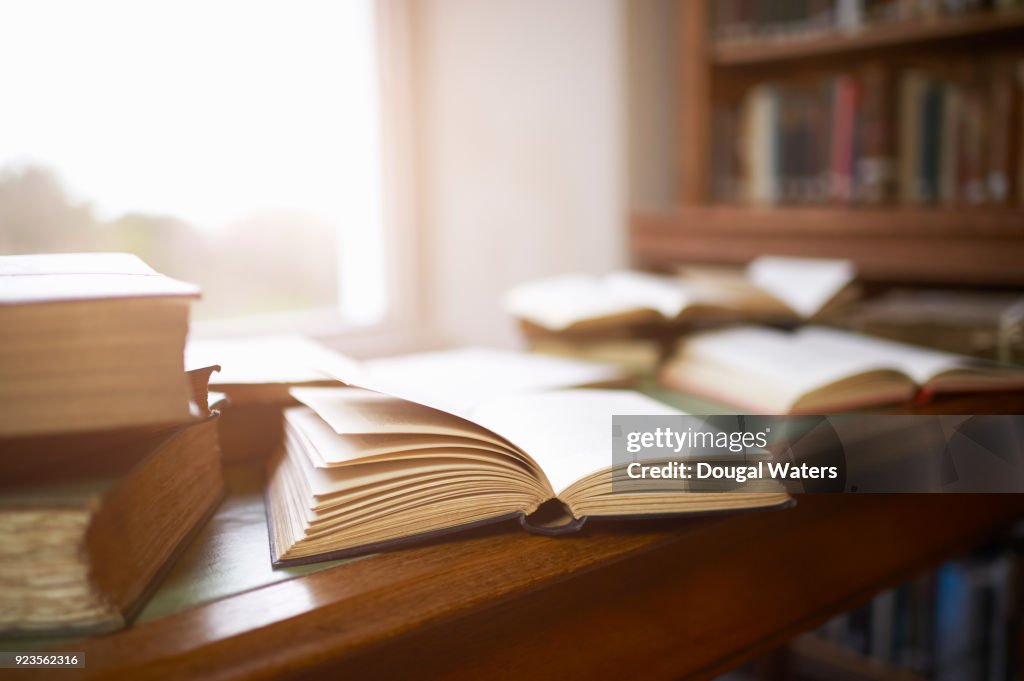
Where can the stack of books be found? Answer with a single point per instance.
(110, 452)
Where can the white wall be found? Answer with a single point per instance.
(521, 152)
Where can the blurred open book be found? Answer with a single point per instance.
(817, 370)
(769, 288)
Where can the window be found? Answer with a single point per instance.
(229, 143)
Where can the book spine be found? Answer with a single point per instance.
(843, 131)
(949, 142)
(972, 189)
(824, 119)
(849, 15)
(762, 144)
(874, 146)
(1018, 128)
(747, 144)
(804, 147)
(785, 132)
(931, 127)
(951, 614)
(918, 652)
(911, 90)
(1001, 575)
(724, 133)
(1000, 111)
(883, 615)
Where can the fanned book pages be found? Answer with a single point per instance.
(90, 341)
(88, 522)
(817, 370)
(363, 470)
(769, 287)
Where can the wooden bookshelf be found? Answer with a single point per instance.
(940, 245)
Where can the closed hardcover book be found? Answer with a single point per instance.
(90, 341)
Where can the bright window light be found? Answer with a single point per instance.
(234, 143)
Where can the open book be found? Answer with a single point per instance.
(362, 470)
(820, 370)
(768, 288)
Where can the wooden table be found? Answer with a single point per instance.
(678, 599)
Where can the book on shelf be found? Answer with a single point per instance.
(824, 140)
(955, 134)
(768, 288)
(868, 166)
(817, 370)
(89, 521)
(364, 470)
(951, 623)
(916, 132)
(90, 341)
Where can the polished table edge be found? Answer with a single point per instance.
(442, 604)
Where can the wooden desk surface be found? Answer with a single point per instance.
(677, 599)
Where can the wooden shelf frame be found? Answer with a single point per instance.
(895, 245)
(872, 37)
